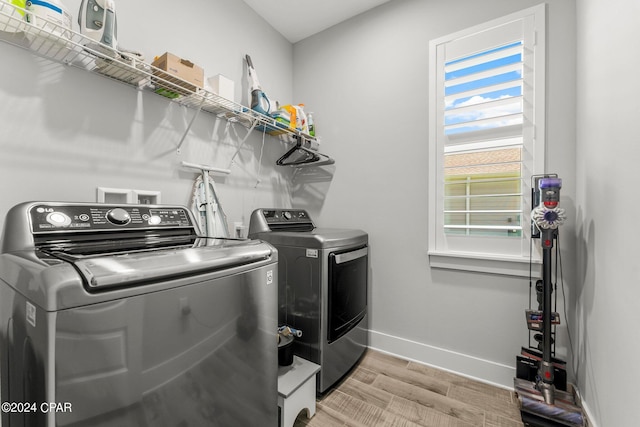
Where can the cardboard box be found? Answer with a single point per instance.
(175, 66)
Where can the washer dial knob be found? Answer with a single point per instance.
(118, 216)
(287, 215)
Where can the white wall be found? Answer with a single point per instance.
(608, 272)
(64, 132)
(367, 80)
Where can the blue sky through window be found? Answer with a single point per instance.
(488, 81)
(509, 92)
(510, 86)
(507, 60)
(476, 55)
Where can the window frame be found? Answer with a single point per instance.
(518, 260)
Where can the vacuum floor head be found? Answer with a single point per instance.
(537, 413)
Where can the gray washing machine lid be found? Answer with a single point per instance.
(101, 272)
(57, 281)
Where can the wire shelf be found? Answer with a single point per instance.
(52, 41)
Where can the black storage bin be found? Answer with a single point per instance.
(285, 350)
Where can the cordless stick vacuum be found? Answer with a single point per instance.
(542, 404)
(547, 217)
(260, 102)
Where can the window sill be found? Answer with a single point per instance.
(501, 265)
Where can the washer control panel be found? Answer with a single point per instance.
(80, 217)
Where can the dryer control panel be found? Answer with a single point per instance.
(280, 220)
(285, 216)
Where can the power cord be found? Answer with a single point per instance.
(264, 131)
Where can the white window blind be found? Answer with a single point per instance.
(483, 168)
(487, 109)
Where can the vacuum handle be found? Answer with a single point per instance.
(260, 102)
(249, 62)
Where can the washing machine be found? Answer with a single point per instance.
(322, 288)
(122, 316)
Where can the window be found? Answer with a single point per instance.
(486, 136)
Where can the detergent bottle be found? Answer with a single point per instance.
(291, 115)
(302, 125)
(10, 25)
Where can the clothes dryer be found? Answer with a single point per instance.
(322, 288)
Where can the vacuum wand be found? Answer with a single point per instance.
(545, 371)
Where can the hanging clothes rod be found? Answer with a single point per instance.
(206, 168)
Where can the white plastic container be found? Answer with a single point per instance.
(222, 86)
(50, 15)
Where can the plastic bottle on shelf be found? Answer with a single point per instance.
(302, 123)
(51, 16)
(311, 124)
(9, 24)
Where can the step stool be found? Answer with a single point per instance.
(296, 390)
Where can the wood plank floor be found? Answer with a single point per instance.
(385, 391)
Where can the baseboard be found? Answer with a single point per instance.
(588, 416)
(462, 364)
(585, 409)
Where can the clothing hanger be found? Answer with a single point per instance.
(309, 157)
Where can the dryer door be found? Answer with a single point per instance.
(347, 290)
